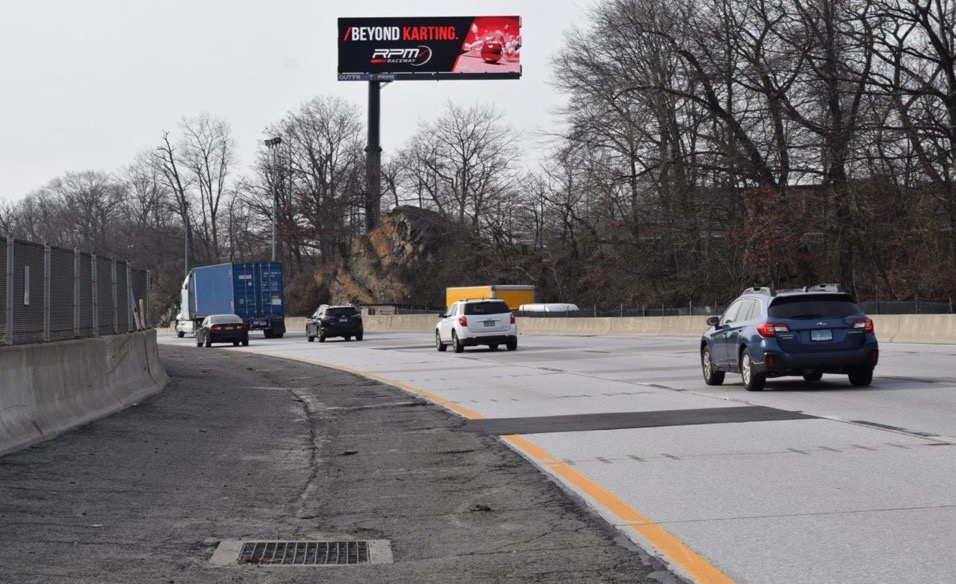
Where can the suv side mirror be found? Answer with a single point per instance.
(713, 320)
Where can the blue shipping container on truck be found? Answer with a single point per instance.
(252, 290)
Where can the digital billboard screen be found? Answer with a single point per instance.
(454, 47)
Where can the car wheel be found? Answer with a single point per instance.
(267, 334)
(711, 375)
(180, 334)
(753, 381)
(348, 337)
(459, 348)
(245, 342)
(208, 342)
(493, 347)
(359, 336)
(235, 343)
(861, 377)
(813, 375)
(512, 345)
(438, 344)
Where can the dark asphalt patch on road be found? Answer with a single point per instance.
(626, 420)
(147, 494)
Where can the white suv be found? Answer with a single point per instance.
(477, 322)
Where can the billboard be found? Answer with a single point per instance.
(454, 47)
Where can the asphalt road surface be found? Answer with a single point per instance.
(243, 448)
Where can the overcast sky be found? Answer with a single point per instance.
(87, 85)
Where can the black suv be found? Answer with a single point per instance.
(334, 321)
(805, 332)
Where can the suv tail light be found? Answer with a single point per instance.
(770, 329)
(463, 320)
(864, 323)
(512, 318)
(241, 326)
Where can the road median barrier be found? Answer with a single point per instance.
(50, 388)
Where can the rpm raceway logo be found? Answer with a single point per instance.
(414, 56)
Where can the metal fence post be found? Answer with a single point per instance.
(11, 245)
(76, 292)
(47, 262)
(130, 300)
(149, 286)
(115, 297)
(96, 294)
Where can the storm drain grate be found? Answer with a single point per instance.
(304, 553)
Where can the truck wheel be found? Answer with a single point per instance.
(311, 338)
(180, 334)
(208, 342)
(198, 343)
(321, 337)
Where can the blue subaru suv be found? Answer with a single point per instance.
(805, 332)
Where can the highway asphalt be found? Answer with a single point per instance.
(242, 448)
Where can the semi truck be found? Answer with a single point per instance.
(251, 290)
(514, 295)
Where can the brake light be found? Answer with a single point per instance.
(864, 323)
(512, 318)
(215, 327)
(463, 320)
(770, 329)
(241, 326)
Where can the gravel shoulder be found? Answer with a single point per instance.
(246, 447)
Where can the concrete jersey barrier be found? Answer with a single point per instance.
(50, 388)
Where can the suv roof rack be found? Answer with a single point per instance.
(825, 288)
(761, 290)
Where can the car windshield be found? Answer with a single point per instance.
(344, 311)
(224, 319)
(799, 307)
(491, 307)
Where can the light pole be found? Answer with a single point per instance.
(273, 144)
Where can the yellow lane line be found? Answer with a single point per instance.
(669, 546)
(695, 566)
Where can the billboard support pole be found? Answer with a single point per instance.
(373, 158)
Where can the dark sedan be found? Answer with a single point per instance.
(222, 328)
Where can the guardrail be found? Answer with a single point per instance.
(898, 328)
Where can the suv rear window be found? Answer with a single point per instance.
(813, 306)
(491, 307)
(344, 311)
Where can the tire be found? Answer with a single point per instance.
(180, 334)
(235, 343)
(861, 377)
(359, 336)
(267, 333)
(493, 347)
(813, 375)
(348, 337)
(459, 348)
(752, 381)
(321, 337)
(711, 375)
(438, 344)
(277, 335)
(512, 345)
(310, 338)
(245, 343)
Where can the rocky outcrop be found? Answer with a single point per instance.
(397, 262)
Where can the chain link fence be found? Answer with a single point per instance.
(54, 294)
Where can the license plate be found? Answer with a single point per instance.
(489, 323)
(227, 328)
(821, 335)
(343, 319)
